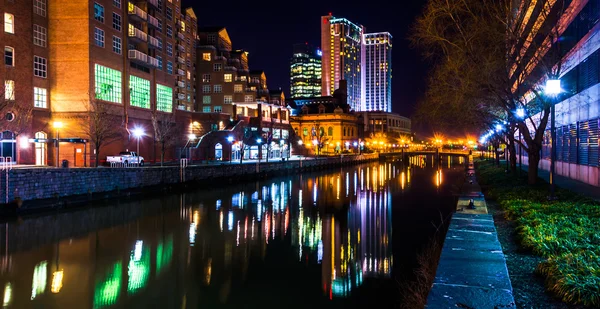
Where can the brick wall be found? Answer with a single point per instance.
(43, 183)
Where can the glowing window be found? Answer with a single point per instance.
(140, 92)
(107, 84)
(164, 98)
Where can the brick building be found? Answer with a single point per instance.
(24, 80)
(132, 59)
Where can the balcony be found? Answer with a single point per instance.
(138, 57)
(181, 96)
(136, 13)
(181, 36)
(181, 48)
(181, 60)
(153, 42)
(181, 72)
(230, 69)
(152, 21)
(154, 3)
(181, 84)
(153, 61)
(181, 107)
(137, 34)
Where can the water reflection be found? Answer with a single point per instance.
(210, 247)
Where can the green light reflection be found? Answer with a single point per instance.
(108, 288)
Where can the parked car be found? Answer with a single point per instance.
(126, 157)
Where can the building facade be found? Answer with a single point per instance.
(326, 125)
(578, 106)
(378, 72)
(305, 71)
(24, 81)
(72, 59)
(246, 120)
(343, 58)
(390, 124)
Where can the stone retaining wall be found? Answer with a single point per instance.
(45, 183)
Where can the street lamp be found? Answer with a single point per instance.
(138, 133)
(553, 89)
(230, 139)
(520, 115)
(57, 125)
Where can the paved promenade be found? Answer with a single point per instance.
(472, 270)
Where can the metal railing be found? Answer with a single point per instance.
(6, 164)
(137, 33)
(183, 164)
(133, 9)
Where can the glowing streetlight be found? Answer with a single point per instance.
(138, 133)
(520, 113)
(553, 87)
(300, 142)
(230, 139)
(191, 137)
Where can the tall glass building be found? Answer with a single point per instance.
(343, 58)
(378, 72)
(305, 72)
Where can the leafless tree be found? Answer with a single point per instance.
(482, 60)
(15, 113)
(166, 131)
(100, 126)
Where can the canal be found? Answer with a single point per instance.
(340, 238)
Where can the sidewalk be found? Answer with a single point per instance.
(472, 270)
(569, 184)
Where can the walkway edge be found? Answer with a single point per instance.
(472, 271)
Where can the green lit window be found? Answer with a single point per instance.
(164, 98)
(140, 92)
(108, 84)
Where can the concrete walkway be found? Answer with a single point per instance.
(569, 184)
(472, 270)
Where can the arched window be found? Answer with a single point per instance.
(321, 131)
(218, 151)
(330, 131)
(305, 131)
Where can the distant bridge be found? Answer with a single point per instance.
(421, 152)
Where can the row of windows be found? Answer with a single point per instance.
(40, 33)
(108, 88)
(216, 109)
(40, 95)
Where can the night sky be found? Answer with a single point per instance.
(268, 32)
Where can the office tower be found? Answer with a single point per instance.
(343, 58)
(378, 72)
(305, 71)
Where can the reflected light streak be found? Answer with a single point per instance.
(238, 234)
(38, 285)
(300, 198)
(230, 220)
(221, 220)
(402, 180)
(259, 210)
(315, 192)
(337, 185)
(7, 298)
(57, 279)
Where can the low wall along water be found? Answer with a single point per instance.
(46, 183)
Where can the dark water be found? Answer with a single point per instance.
(340, 238)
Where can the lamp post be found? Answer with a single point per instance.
(258, 142)
(57, 125)
(138, 133)
(230, 139)
(553, 89)
(520, 115)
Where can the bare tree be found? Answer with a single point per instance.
(483, 62)
(165, 131)
(15, 113)
(100, 126)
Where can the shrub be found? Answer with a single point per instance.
(565, 232)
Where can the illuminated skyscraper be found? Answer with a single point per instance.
(343, 58)
(305, 71)
(378, 72)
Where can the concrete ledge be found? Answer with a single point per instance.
(472, 271)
